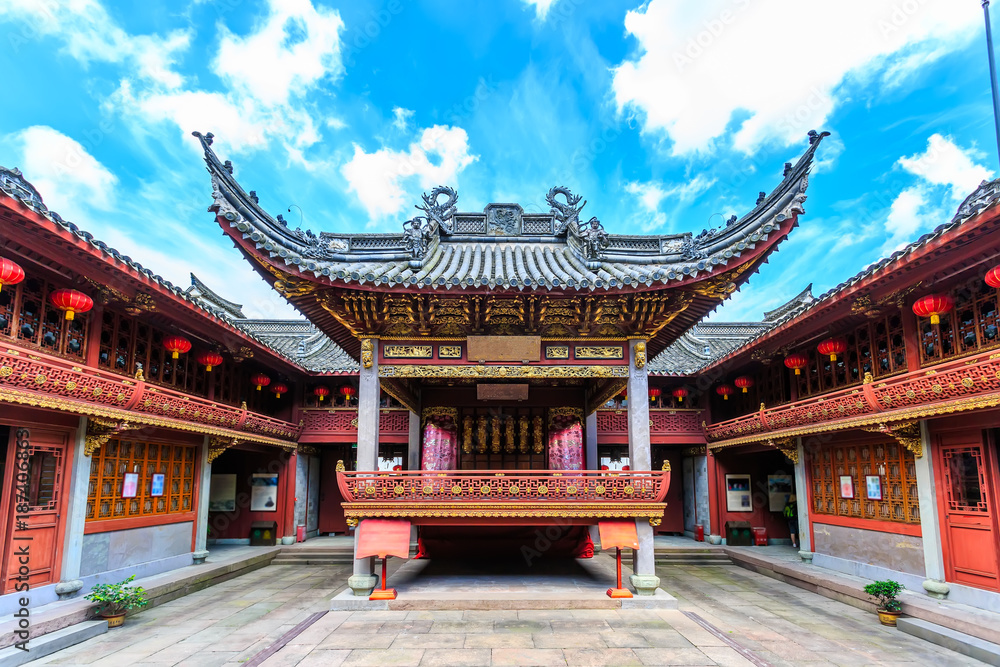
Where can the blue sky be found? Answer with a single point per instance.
(668, 116)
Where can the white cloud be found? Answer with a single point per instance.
(651, 195)
(946, 174)
(768, 65)
(401, 117)
(68, 177)
(383, 179)
(944, 163)
(91, 35)
(541, 7)
(290, 51)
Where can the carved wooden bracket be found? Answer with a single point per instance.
(905, 433)
(788, 447)
(306, 449)
(218, 445)
(99, 431)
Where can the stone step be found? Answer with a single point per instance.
(48, 644)
(313, 560)
(967, 645)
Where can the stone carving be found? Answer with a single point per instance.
(691, 248)
(640, 354)
(503, 219)
(594, 238)
(565, 213)
(417, 236)
(438, 214)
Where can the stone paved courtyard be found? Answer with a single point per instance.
(231, 623)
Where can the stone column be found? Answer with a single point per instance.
(930, 525)
(363, 581)
(76, 516)
(644, 581)
(413, 446)
(201, 519)
(291, 490)
(592, 462)
(802, 495)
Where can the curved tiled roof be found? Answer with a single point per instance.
(303, 342)
(13, 183)
(504, 247)
(204, 294)
(982, 198)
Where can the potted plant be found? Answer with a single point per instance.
(884, 594)
(115, 600)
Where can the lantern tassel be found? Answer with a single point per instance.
(798, 371)
(277, 395)
(258, 387)
(175, 355)
(935, 319)
(69, 314)
(725, 397)
(680, 399)
(208, 368)
(744, 390)
(833, 357)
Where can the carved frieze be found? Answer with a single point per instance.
(408, 351)
(599, 352)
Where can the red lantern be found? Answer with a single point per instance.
(743, 382)
(796, 362)
(832, 347)
(724, 390)
(654, 393)
(260, 380)
(176, 345)
(933, 306)
(348, 391)
(71, 301)
(321, 392)
(992, 278)
(279, 389)
(209, 359)
(10, 273)
(680, 393)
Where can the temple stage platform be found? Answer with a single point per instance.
(433, 584)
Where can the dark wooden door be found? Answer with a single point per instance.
(968, 482)
(331, 513)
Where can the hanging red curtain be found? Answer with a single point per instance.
(566, 439)
(440, 451)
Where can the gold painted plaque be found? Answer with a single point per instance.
(599, 352)
(557, 351)
(505, 348)
(408, 352)
(449, 351)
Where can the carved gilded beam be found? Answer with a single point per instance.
(481, 371)
(905, 433)
(99, 431)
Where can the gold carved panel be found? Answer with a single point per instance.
(557, 351)
(449, 351)
(408, 351)
(599, 352)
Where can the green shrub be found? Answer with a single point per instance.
(113, 599)
(884, 593)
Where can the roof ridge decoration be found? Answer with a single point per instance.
(504, 246)
(203, 293)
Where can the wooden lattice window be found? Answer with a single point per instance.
(889, 461)
(875, 347)
(27, 317)
(119, 456)
(965, 479)
(970, 327)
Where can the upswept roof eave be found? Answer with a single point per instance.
(982, 199)
(329, 259)
(14, 187)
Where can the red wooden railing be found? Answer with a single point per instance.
(341, 424)
(58, 379)
(529, 486)
(612, 424)
(957, 379)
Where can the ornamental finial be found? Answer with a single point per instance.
(340, 466)
(666, 465)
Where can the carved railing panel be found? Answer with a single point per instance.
(663, 421)
(54, 377)
(510, 486)
(344, 421)
(952, 381)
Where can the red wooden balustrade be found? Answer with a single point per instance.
(667, 424)
(341, 425)
(55, 378)
(949, 381)
(508, 486)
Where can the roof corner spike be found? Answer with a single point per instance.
(205, 139)
(815, 137)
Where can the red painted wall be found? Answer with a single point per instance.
(758, 465)
(673, 517)
(244, 463)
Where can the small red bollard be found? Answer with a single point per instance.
(619, 592)
(699, 533)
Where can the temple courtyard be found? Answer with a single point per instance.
(726, 615)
